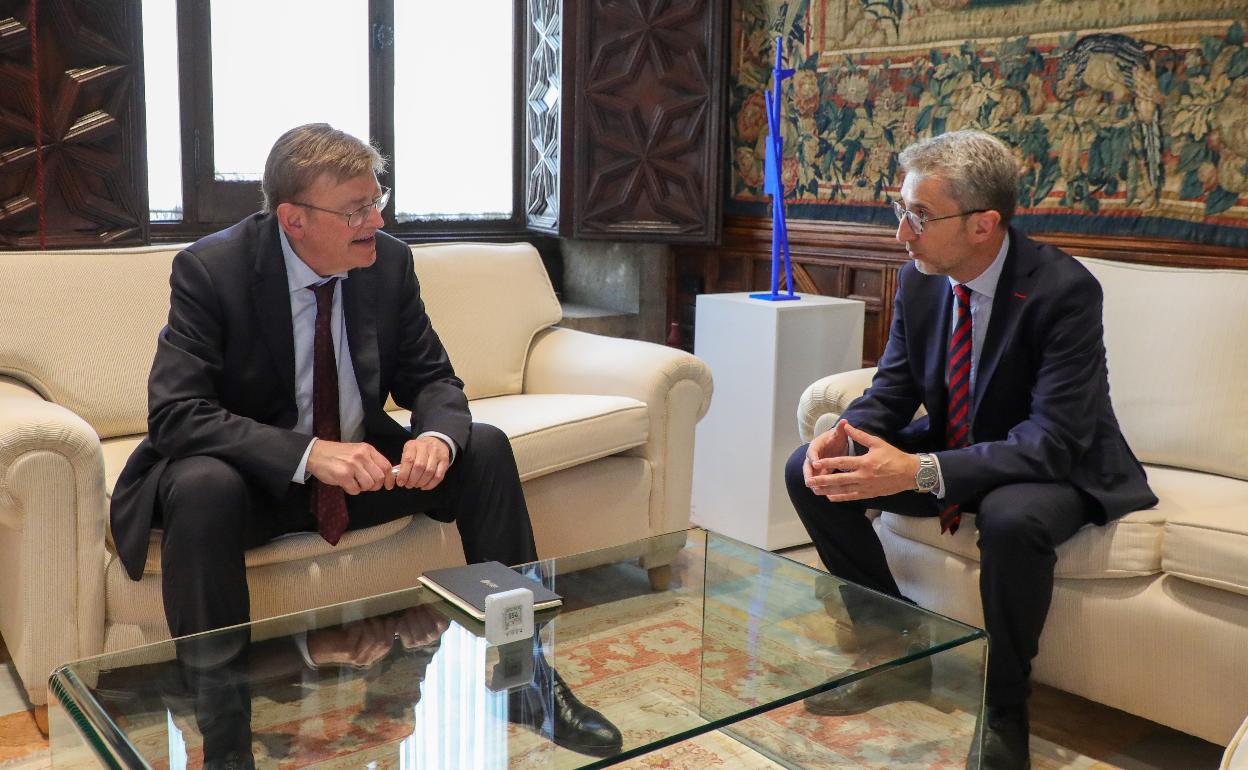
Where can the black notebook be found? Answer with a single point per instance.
(467, 587)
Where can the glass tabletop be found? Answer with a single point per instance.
(684, 641)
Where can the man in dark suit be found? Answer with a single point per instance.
(1000, 339)
(287, 333)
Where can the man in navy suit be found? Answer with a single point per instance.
(1000, 338)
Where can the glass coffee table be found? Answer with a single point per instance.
(742, 659)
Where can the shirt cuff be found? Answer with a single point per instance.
(939, 491)
(301, 472)
(445, 439)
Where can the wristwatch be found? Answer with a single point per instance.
(926, 478)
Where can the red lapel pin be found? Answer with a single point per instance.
(1020, 296)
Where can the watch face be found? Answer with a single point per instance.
(925, 479)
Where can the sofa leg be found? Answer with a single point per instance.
(660, 577)
(41, 719)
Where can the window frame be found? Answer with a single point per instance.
(209, 205)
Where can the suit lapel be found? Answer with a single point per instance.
(1013, 288)
(362, 334)
(270, 298)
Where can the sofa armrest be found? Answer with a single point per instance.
(1236, 755)
(53, 518)
(675, 386)
(825, 399)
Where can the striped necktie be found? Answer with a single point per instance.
(958, 423)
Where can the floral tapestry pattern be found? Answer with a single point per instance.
(1139, 128)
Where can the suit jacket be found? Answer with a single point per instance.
(1040, 411)
(223, 380)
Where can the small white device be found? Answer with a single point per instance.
(509, 616)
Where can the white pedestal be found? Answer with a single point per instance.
(762, 355)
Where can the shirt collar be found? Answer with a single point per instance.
(298, 275)
(986, 282)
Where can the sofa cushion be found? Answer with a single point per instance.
(1209, 547)
(550, 432)
(286, 548)
(1177, 343)
(1132, 545)
(486, 301)
(64, 334)
(116, 452)
(1127, 547)
(1182, 493)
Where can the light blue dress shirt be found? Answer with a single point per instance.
(303, 318)
(983, 289)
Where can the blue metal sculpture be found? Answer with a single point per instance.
(773, 185)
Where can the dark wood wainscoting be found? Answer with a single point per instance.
(862, 261)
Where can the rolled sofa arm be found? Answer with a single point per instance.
(825, 399)
(675, 386)
(1236, 755)
(53, 516)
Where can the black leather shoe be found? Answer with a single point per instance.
(569, 723)
(1006, 733)
(580, 728)
(909, 682)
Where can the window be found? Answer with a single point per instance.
(275, 67)
(433, 85)
(164, 138)
(453, 111)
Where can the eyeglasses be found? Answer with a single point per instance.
(355, 218)
(918, 221)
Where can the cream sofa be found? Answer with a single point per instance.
(1150, 613)
(602, 430)
(1236, 755)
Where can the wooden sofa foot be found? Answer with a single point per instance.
(41, 719)
(660, 577)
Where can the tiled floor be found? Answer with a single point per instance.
(1087, 729)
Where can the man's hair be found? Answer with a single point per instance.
(302, 154)
(979, 168)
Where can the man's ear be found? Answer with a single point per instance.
(985, 224)
(292, 219)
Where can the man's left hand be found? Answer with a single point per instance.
(883, 470)
(424, 463)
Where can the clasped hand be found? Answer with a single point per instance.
(359, 467)
(362, 643)
(830, 471)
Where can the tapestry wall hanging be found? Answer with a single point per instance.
(1128, 118)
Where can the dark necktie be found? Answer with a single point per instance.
(329, 502)
(958, 424)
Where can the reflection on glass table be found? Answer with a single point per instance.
(743, 658)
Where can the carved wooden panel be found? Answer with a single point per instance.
(543, 108)
(648, 117)
(90, 96)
